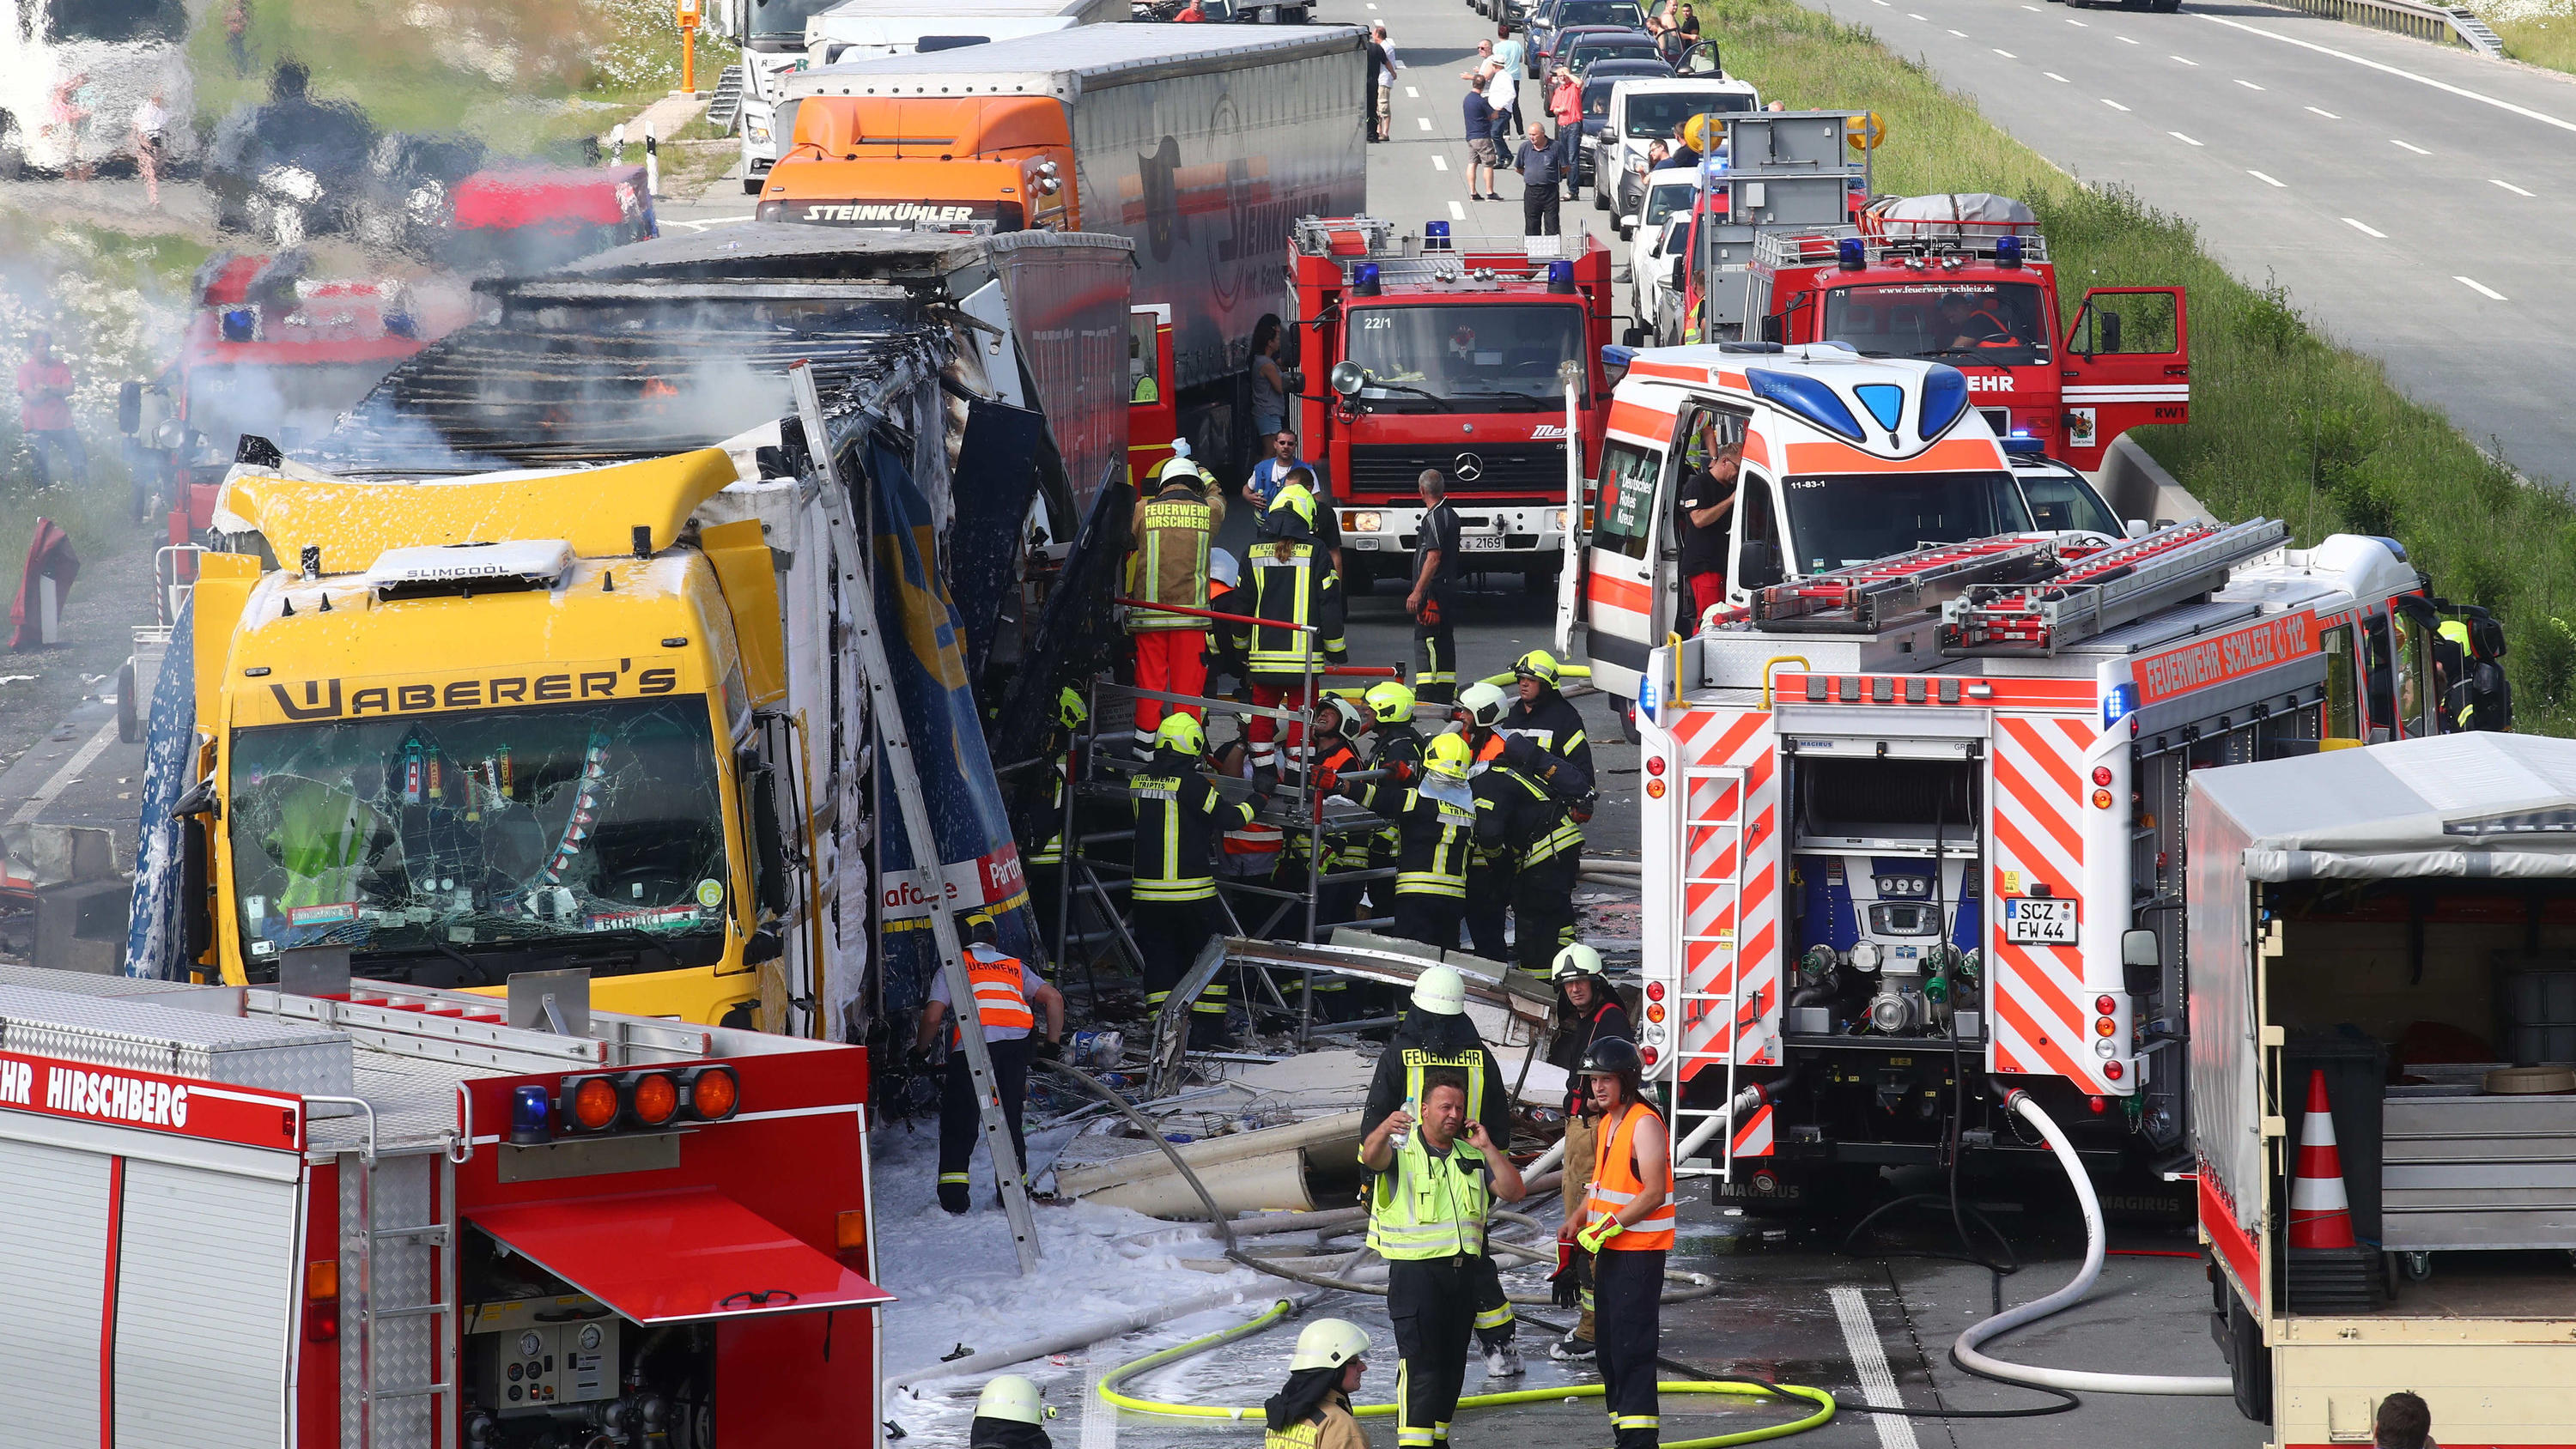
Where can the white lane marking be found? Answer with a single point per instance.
(2365, 231)
(2524, 111)
(1910, 15)
(2124, 40)
(2008, 55)
(2033, 9)
(1439, 162)
(1412, 94)
(2481, 288)
(2114, 105)
(2509, 186)
(1960, 33)
(2329, 115)
(61, 779)
(2078, 24)
(2249, 85)
(1457, 212)
(2418, 150)
(1423, 121)
(2052, 75)
(2266, 180)
(2179, 136)
(1869, 1365)
(2187, 60)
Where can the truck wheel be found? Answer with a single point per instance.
(2249, 1363)
(129, 713)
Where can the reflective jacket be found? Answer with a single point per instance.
(1000, 1003)
(1517, 818)
(1397, 744)
(1425, 1042)
(1433, 838)
(1552, 723)
(1299, 588)
(1430, 1205)
(1336, 1429)
(1179, 816)
(1170, 564)
(1615, 1184)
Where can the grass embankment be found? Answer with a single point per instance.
(2539, 32)
(2284, 425)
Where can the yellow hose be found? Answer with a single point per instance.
(1110, 1381)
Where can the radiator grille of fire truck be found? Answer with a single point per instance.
(1535, 469)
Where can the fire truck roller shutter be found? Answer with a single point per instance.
(206, 1296)
(684, 1256)
(53, 1276)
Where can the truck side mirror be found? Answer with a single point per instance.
(1679, 262)
(1346, 378)
(768, 845)
(2139, 948)
(1295, 377)
(2136, 528)
(196, 888)
(2109, 329)
(1775, 328)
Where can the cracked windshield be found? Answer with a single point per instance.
(450, 832)
(1503, 358)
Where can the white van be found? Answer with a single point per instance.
(1645, 111)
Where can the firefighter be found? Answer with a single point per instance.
(1587, 1010)
(1432, 602)
(1005, 992)
(1179, 816)
(1528, 847)
(1436, 1037)
(1395, 755)
(1046, 863)
(1293, 583)
(1313, 1409)
(1009, 1415)
(1170, 566)
(1432, 1181)
(1327, 756)
(1545, 717)
(1435, 824)
(1627, 1226)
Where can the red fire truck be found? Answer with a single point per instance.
(1913, 818)
(1450, 353)
(400, 1218)
(1982, 296)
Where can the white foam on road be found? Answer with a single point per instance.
(2463, 92)
(1869, 1365)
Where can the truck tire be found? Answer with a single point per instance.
(2249, 1363)
(129, 710)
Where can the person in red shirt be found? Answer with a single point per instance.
(1565, 107)
(45, 411)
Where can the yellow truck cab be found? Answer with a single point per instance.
(520, 721)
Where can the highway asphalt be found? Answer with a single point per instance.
(2416, 200)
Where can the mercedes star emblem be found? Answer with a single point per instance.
(1468, 468)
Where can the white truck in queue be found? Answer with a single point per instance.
(1912, 817)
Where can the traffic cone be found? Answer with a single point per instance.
(2320, 1214)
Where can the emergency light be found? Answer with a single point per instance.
(1945, 399)
(1560, 278)
(2120, 703)
(1435, 236)
(2023, 445)
(241, 324)
(1851, 253)
(1364, 280)
(531, 1116)
(1812, 399)
(647, 1100)
(2008, 251)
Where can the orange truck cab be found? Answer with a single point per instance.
(894, 161)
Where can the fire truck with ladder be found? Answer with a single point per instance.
(1982, 297)
(373, 1216)
(1912, 820)
(1475, 356)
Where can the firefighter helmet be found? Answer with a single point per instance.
(1610, 1056)
(1440, 990)
(1342, 716)
(1575, 960)
(1069, 708)
(1390, 702)
(1223, 568)
(1179, 469)
(1328, 1343)
(1482, 704)
(1181, 732)
(1296, 502)
(1014, 1398)
(976, 926)
(1446, 755)
(1537, 664)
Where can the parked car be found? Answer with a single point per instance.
(1590, 47)
(1655, 237)
(1597, 87)
(1641, 112)
(1548, 18)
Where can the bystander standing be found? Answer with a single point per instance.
(1482, 158)
(1388, 63)
(1540, 176)
(45, 412)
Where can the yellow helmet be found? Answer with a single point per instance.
(1296, 499)
(1390, 701)
(1181, 732)
(1069, 707)
(1447, 755)
(1537, 664)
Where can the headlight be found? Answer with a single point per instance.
(1560, 518)
(759, 135)
(1364, 522)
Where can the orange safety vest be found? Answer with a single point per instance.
(1615, 1184)
(998, 998)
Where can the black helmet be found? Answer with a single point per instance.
(1611, 1056)
(976, 925)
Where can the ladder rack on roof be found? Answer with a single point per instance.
(1440, 256)
(2105, 590)
(1815, 246)
(1865, 598)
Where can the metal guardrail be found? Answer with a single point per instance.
(2439, 24)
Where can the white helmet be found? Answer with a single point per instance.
(1223, 568)
(1014, 1398)
(1575, 960)
(1328, 1343)
(1482, 703)
(1179, 468)
(1441, 991)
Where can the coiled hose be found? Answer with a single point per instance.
(1111, 1392)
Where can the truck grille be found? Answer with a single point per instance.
(1534, 470)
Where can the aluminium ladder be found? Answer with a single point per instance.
(2104, 590)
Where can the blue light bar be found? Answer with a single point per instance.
(1435, 236)
(2023, 445)
(1560, 278)
(1851, 253)
(2120, 703)
(1809, 398)
(531, 1116)
(1364, 280)
(2008, 251)
(241, 324)
(1945, 400)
